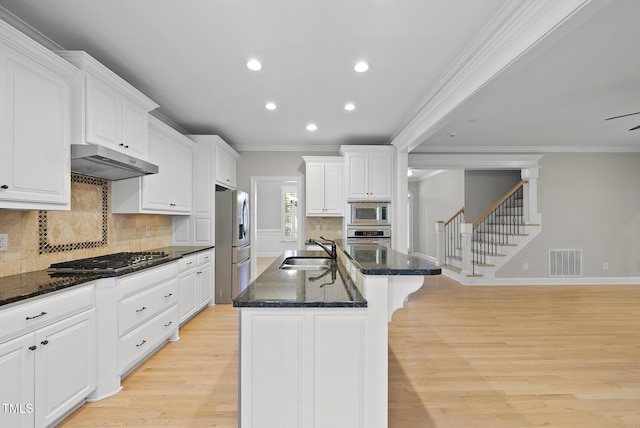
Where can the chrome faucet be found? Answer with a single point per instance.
(332, 252)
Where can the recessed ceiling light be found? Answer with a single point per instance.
(254, 65)
(349, 106)
(270, 106)
(361, 66)
(312, 127)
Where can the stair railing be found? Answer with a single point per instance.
(494, 227)
(452, 236)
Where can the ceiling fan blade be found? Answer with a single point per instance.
(634, 128)
(624, 115)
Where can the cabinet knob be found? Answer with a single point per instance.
(126, 147)
(44, 342)
(33, 347)
(4, 186)
(121, 144)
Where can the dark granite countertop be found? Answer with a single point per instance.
(275, 287)
(380, 260)
(24, 286)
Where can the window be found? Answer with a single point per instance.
(289, 208)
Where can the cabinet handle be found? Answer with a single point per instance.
(33, 347)
(141, 309)
(198, 273)
(4, 186)
(36, 316)
(126, 147)
(189, 263)
(141, 343)
(167, 325)
(168, 295)
(121, 144)
(44, 342)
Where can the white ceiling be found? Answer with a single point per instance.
(438, 67)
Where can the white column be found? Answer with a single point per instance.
(466, 230)
(530, 196)
(399, 223)
(440, 241)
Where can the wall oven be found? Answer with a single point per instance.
(368, 214)
(369, 235)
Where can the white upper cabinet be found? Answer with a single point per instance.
(34, 124)
(226, 159)
(170, 190)
(369, 172)
(324, 186)
(106, 109)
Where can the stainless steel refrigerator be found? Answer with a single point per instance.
(233, 246)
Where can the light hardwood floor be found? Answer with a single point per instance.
(564, 356)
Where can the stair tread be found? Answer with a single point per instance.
(494, 243)
(485, 253)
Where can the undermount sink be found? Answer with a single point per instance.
(306, 263)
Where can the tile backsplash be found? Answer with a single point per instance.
(329, 227)
(77, 233)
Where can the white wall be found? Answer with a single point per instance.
(437, 198)
(483, 188)
(589, 202)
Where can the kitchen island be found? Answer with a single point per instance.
(314, 336)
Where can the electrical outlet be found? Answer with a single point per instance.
(4, 242)
(147, 232)
(525, 266)
(605, 266)
(317, 228)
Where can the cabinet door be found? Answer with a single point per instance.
(205, 284)
(333, 201)
(135, 130)
(34, 140)
(182, 178)
(380, 176)
(231, 171)
(17, 387)
(315, 188)
(357, 180)
(65, 366)
(157, 188)
(187, 295)
(104, 114)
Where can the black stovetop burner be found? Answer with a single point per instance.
(111, 263)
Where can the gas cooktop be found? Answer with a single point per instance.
(110, 263)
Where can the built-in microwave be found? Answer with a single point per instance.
(368, 213)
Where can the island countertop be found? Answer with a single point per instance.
(381, 260)
(275, 287)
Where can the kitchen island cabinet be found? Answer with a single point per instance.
(314, 343)
(34, 124)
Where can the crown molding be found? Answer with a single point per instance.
(527, 149)
(28, 30)
(286, 148)
(516, 28)
(433, 161)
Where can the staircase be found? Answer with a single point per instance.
(473, 252)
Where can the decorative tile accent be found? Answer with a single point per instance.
(60, 231)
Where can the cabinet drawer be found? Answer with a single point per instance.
(205, 257)
(135, 310)
(45, 310)
(139, 343)
(132, 284)
(187, 263)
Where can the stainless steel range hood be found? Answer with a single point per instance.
(101, 162)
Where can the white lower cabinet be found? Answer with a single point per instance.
(47, 368)
(195, 284)
(147, 314)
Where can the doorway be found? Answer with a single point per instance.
(276, 216)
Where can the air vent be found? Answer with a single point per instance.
(565, 263)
